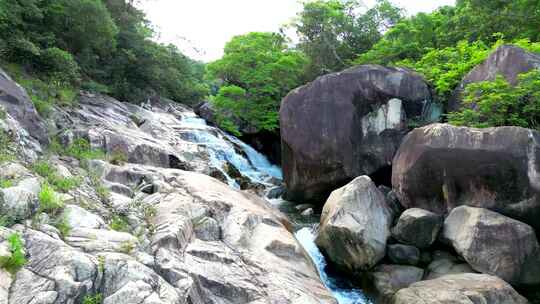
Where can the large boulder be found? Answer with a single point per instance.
(417, 227)
(494, 244)
(386, 280)
(344, 125)
(439, 167)
(460, 289)
(18, 105)
(355, 225)
(403, 254)
(507, 60)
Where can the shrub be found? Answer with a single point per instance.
(6, 146)
(62, 184)
(59, 65)
(101, 190)
(6, 183)
(49, 202)
(62, 224)
(498, 103)
(119, 223)
(95, 87)
(93, 299)
(16, 260)
(81, 150)
(445, 68)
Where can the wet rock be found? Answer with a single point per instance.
(403, 254)
(275, 192)
(355, 225)
(389, 279)
(440, 167)
(417, 227)
(460, 289)
(494, 244)
(308, 212)
(344, 125)
(507, 60)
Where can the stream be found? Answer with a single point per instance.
(224, 148)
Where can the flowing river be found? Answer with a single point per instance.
(224, 148)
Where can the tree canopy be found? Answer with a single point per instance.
(100, 45)
(257, 70)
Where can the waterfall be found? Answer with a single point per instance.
(224, 149)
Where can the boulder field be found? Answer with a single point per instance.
(460, 222)
(145, 222)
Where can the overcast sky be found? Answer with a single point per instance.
(202, 27)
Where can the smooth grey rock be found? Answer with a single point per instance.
(403, 254)
(440, 167)
(19, 202)
(344, 125)
(417, 227)
(101, 240)
(355, 225)
(389, 279)
(54, 272)
(13, 171)
(127, 281)
(78, 217)
(460, 289)
(207, 229)
(494, 244)
(17, 103)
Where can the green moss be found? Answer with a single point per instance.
(16, 260)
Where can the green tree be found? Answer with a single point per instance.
(497, 103)
(257, 70)
(333, 32)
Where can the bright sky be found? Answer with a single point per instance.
(200, 28)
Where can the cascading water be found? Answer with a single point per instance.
(224, 148)
(344, 295)
(221, 149)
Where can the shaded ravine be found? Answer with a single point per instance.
(223, 148)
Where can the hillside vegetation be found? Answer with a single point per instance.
(55, 48)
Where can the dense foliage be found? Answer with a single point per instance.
(333, 32)
(256, 72)
(498, 103)
(99, 45)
